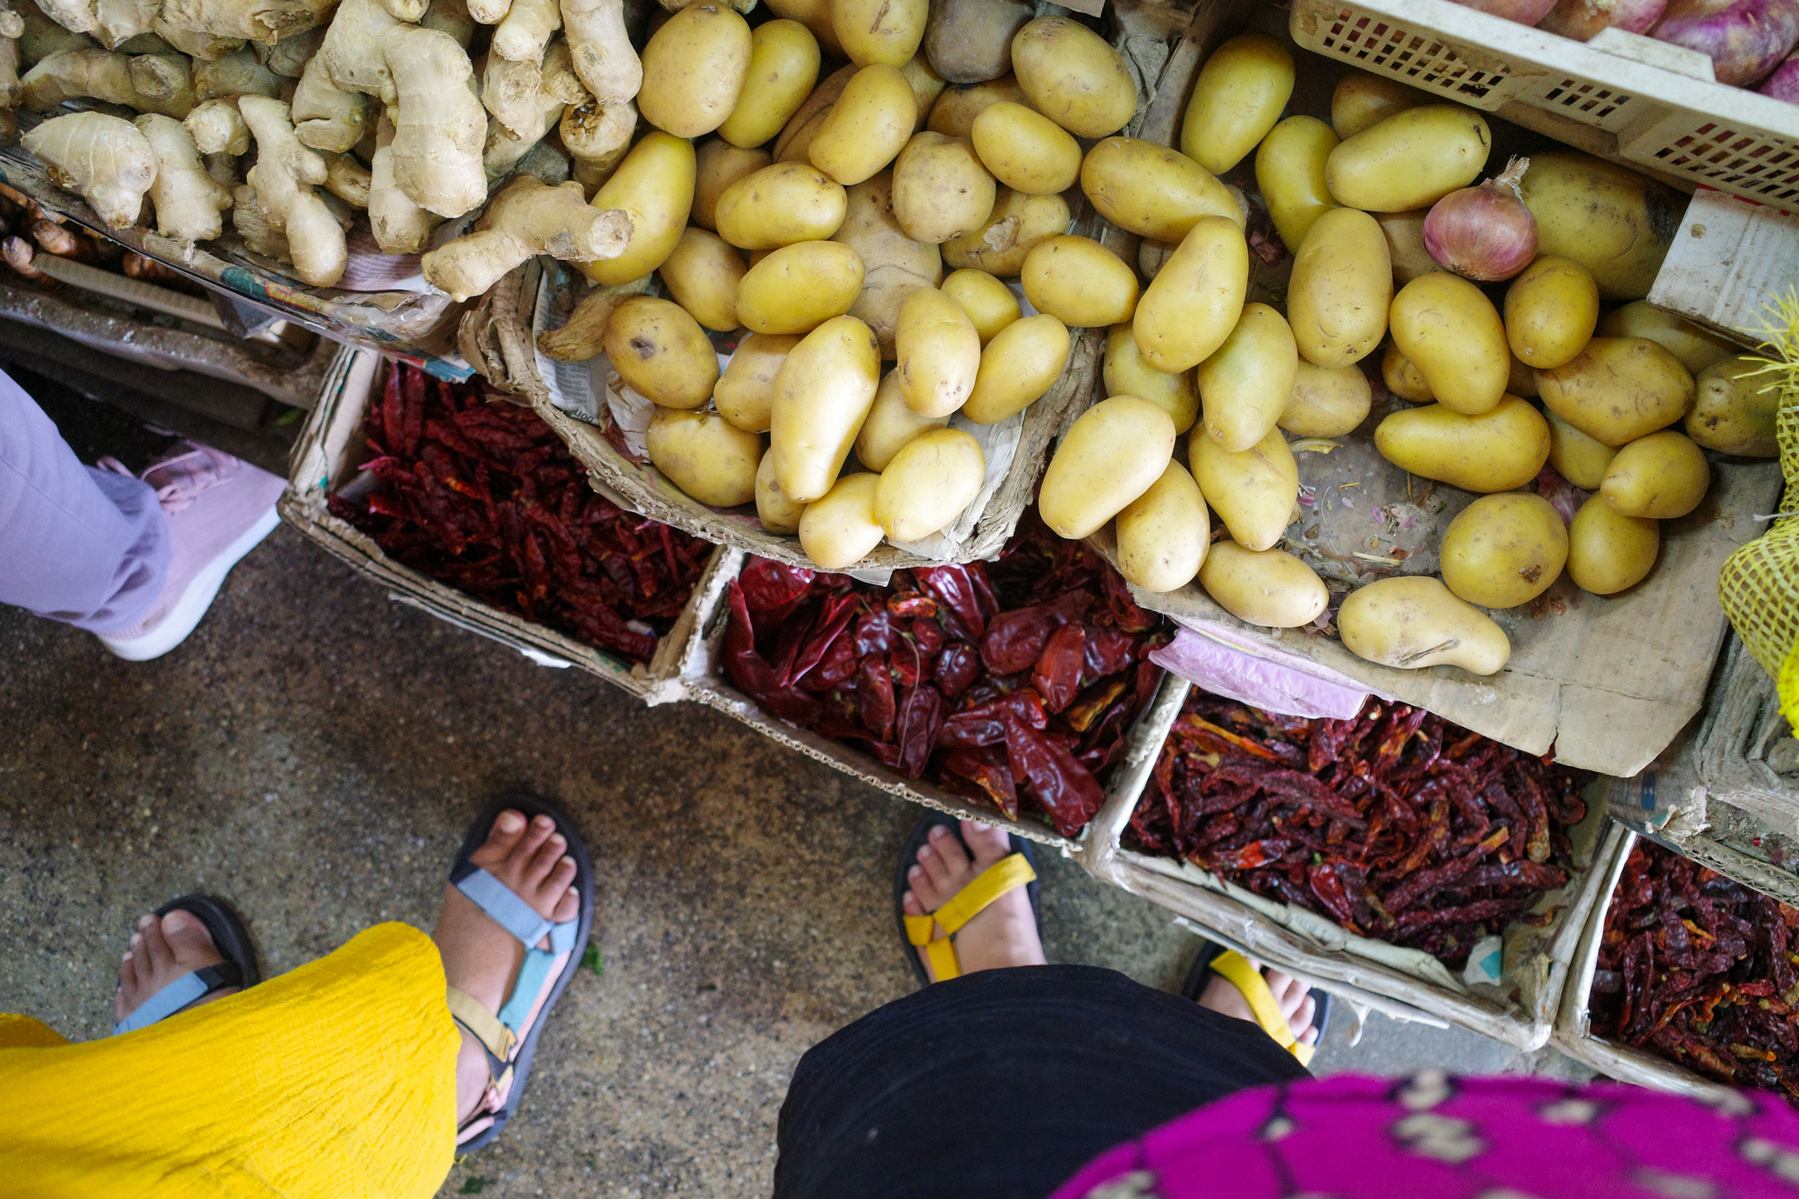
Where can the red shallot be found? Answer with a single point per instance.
(1525, 12)
(1484, 233)
(1783, 84)
(1743, 38)
(1582, 19)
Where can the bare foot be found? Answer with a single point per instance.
(1005, 934)
(162, 950)
(481, 958)
(1294, 997)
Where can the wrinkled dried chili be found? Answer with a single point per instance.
(1397, 824)
(1014, 682)
(486, 497)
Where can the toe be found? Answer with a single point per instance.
(1301, 1020)
(507, 828)
(539, 831)
(544, 860)
(910, 905)
(156, 947)
(950, 850)
(568, 907)
(938, 869)
(924, 891)
(128, 973)
(989, 844)
(561, 877)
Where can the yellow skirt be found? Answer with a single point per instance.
(335, 1080)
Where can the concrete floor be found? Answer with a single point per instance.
(314, 753)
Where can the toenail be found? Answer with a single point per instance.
(914, 872)
(940, 832)
(544, 822)
(558, 839)
(510, 822)
(566, 861)
(146, 921)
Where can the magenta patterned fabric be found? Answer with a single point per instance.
(1438, 1137)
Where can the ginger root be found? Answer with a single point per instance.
(149, 82)
(253, 20)
(604, 58)
(399, 225)
(118, 21)
(186, 199)
(557, 89)
(583, 337)
(489, 12)
(526, 31)
(202, 46)
(289, 56)
(347, 179)
(527, 218)
(451, 17)
(217, 128)
(102, 157)
(283, 178)
(236, 74)
(598, 137)
(439, 125)
(511, 91)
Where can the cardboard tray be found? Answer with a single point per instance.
(325, 455)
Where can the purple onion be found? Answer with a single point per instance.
(1581, 19)
(1743, 38)
(1783, 84)
(1525, 12)
(1484, 233)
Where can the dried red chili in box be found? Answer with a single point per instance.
(1700, 969)
(1014, 682)
(1397, 824)
(485, 497)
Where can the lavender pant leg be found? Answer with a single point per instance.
(79, 545)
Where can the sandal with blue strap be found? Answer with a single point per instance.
(239, 969)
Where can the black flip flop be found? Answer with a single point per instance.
(1199, 975)
(239, 969)
(909, 858)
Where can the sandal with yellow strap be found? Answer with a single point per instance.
(1016, 869)
(1216, 959)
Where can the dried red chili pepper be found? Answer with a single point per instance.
(956, 589)
(957, 666)
(1057, 673)
(768, 584)
(1065, 789)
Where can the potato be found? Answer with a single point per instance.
(822, 395)
(1079, 282)
(1151, 190)
(1073, 77)
(1576, 457)
(839, 529)
(1236, 100)
(693, 69)
(1410, 160)
(702, 276)
(1695, 346)
(1163, 533)
(879, 31)
(1026, 150)
(1661, 476)
(1326, 401)
(1341, 288)
(939, 353)
(815, 15)
(1405, 244)
(795, 142)
(940, 189)
(705, 455)
(989, 303)
(1290, 176)
(1403, 378)
(1499, 450)
(797, 288)
(654, 184)
(929, 483)
(1363, 101)
(1270, 588)
(1504, 550)
(927, 85)
(867, 127)
(777, 513)
(970, 41)
(1735, 408)
(1252, 491)
(1550, 311)
(1452, 333)
(1608, 551)
(891, 423)
(779, 205)
(958, 108)
(745, 393)
(1017, 225)
(719, 165)
(1413, 622)
(1245, 384)
(661, 352)
(894, 264)
(1618, 388)
(783, 68)
(1194, 301)
(1023, 361)
(1108, 458)
(1616, 223)
(1126, 374)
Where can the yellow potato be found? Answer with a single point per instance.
(1246, 383)
(693, 69)
(1079, 282)
(989, 303)
(1576, 457)
(1163, 533)
(779, 205)
(1018, 224)
(879, 31)
(745, 393)
(927, 85)
(1453, 335)
(1661, 476)
(1608, 551)
(1195, 299)
(839, 529)
(1499, 450)
(797, 288)
(1290, 176)
(1735, 407)
(1403, 378)
(1151, 190)
(1414, 622)
(939, 353)
(928, 483)
(1341, 288)
(867, 127)
(1504, 550)
(1363, 101)
(1025, 150)
(1618, 388)
(719, 165)
(795, 141)
(1023, 361)
(702, 275)
(822, 395)
(814, 15)
(1109, 457)
(1270, 588)
(661, 352)
(1616, 223)
(783, 69)
(654, 185)
(1252, 491)
(1695, 346)
(940, 189)
(1410, 160)
(957, 109)
(705, 455)
(891, 423)
(895, 264)
(1073, 77)
(1126, 374)
(1405, 244)
(1550, 311)
(777, 513)
(1327, 401)
(1236, 100)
